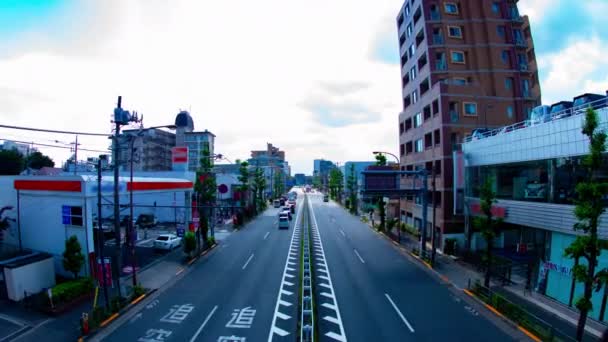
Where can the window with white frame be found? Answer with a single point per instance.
(419, 146)
(450, 8)
(455, 31)
(417, 119)
(413, 73)
(457, 57)
(415, 96)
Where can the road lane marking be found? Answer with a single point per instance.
(179, 271)
(359, 256)
(248, 260)
(399, 312)
(203, 325)
(341, 231)
(265, 236)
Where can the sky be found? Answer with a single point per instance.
(319, 79)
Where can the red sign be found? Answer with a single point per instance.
(222, 188)
(179, 154)
(195, 218)
(108, 270)
(496, 211)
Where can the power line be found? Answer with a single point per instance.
(54, 131)
(55, 146)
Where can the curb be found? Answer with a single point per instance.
(503, 317)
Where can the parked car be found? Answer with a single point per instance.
(283, 222)
(146, 221)
(276, 203)
(292, 206)
(167, 242)
(561, 109)
(282, 201)
(325, 198)
(540, 114)
(582, 102)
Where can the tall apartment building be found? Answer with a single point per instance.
(465, 64)
(152, 150)
(272, 161)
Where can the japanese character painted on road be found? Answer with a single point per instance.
(178, 313)
(231, 339)
(155, 335)
(241, 318)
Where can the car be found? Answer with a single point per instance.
(276, 203)
(292, 206)
(561, 109)
(582, 102)
(325, 198)
(282, 201)
(540, 114)
(146, 221)
(167, 241)
(286, 211)
(283, 222)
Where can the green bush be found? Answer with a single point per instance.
(116, 304)
(98, 315)
(210, 241)
(138, 290)
(364, 219)
(450, 246)
(410, 230)
(189, 243)
(70, 290)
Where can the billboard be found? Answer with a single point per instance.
(179, 158)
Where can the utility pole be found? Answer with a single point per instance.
(118, 254)
(132, 238)
(433, 235)
(76, 155)
(100, 237)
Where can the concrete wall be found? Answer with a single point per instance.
(30, 278)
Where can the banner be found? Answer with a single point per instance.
(108, 270)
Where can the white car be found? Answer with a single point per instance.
(167, 241)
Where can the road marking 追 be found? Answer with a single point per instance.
(203, 325)
(342, 232)
(399, 312)
(265, 236)
(248, 260)
(359, 256)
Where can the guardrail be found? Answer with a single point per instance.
(597, 104)
(307, 321)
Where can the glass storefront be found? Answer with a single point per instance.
(550, 181)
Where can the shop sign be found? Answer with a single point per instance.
(550, 266)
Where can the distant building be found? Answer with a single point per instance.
(300, 179)
(321, 169)
(359, 167)
(272, 161)
(195, 142)
(23, 149)
(151, 150)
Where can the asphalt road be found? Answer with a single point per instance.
(382, 296)
(232, 292)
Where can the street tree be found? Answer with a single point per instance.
(258, 186)
(487, 224)
(38, 160)
(316, 181)
(279, 184)
(589, 207)
(381, 161)
(336, 184)
(351, 186)
(72, 256)
(244, 180)
(206, 188)
(11, 162)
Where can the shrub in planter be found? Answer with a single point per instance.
(71, 290)
(189, 243)
(138, 290)
(210, 241)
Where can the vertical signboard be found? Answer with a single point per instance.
(179, 158)
(108, 270)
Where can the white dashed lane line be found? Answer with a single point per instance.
(248, 260)
(359, 256)
(265, 236)
(409, 326)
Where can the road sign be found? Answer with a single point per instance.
(108, 270)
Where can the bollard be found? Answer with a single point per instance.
(85, 323)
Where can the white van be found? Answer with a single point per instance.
(283, 222)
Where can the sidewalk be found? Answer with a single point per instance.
(558, 315)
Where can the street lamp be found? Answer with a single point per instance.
(132, 137)
(399, 214)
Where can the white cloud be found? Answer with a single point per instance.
(534, 9)
(242, 67)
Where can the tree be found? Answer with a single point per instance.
(279, 184)
(589, 207)
(487, 224)
(244, 179)
(38, 160)
(11, 162)
(336, 183)
(72, 256)
(351, 186)
(258, 186)
(381, 161)
(205, 187)
(316, 181)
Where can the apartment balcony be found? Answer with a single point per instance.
(441, 65)
(438, 39)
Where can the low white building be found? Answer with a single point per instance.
(44, 211)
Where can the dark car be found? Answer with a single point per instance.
(561, 109)
(146, 221)
(582, 102)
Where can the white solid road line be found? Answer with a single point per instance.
(203, 325)
(359, 256)
(341, 231)
(248, 260)
(265, 236)
(399, 312)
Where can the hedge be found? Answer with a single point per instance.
(72, 289)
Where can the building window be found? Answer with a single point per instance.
(417, 120)
(455, 31)
(459, 81)
(500, 31)
(412, 50)
(428, 140)
(496, 7)
(525, 88)
(408, 147)
(407, 10)
(408, 124)
(414, 96)
(437, 167)
(469, 108)
(409, 30)
(457, 57)
(406, 102)
(427, 112)
(505, 57)
(510, 112)
(419, 146)
(413, 73)
(435, 107)
(437, 137)
(509, 83)
(71, 215)
(450, 8)
(402, 149)
(401, 128)
(453, 111)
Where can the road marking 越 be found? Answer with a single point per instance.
(265, 236)
(399, 312)
(248, 260)
(359, 256)
(203, 325)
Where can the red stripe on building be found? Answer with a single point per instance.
(48, 185)
(138, 186)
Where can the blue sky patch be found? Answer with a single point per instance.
(17, 16)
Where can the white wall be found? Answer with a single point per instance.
(31, 278)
